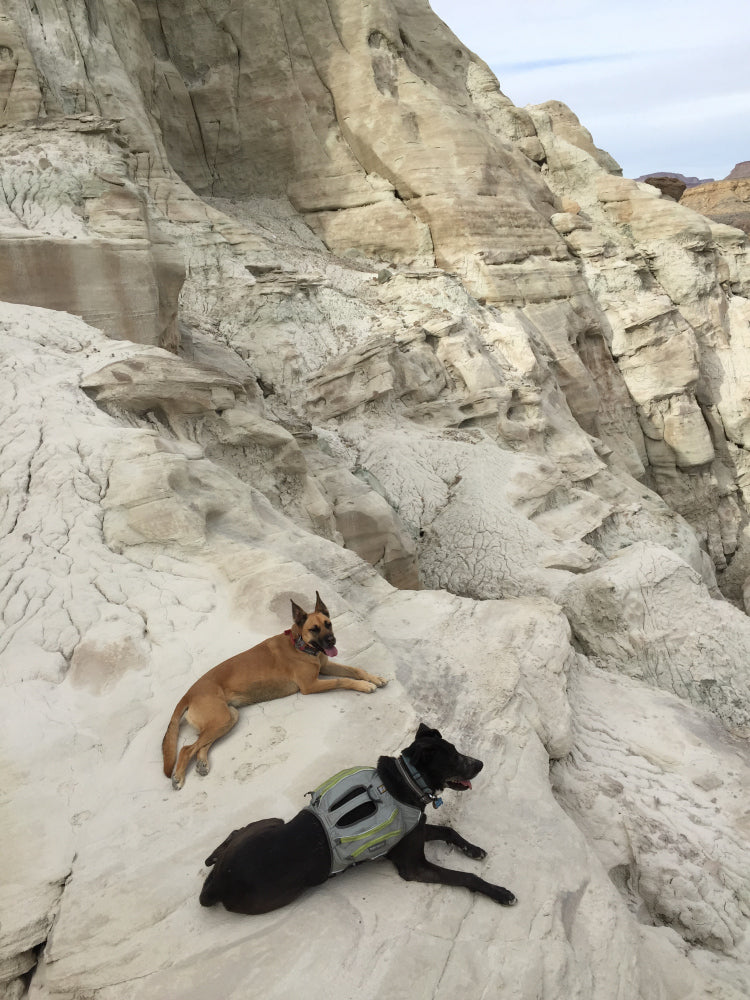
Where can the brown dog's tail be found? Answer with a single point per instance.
(169, 743)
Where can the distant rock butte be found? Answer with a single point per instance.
(687, 181)
(740, 171)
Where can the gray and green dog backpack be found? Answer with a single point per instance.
(361, 818)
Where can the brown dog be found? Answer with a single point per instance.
(276, 667)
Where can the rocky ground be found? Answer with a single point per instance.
(294, 298)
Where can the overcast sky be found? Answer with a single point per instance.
(660, 84)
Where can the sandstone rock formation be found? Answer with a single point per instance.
(727, 202)
(670, 187)
(299, 300)
(83, 240)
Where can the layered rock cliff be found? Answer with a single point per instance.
(294, 298)
(727, 201)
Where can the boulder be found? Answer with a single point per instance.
(670, 187)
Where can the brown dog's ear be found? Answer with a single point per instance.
(319, 606)
(298, 615)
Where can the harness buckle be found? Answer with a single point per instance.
(376, 791)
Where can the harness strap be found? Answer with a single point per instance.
(361, 819)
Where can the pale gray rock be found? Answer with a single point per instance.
(638, 822)
(169, 538)
(202, 403)
(386, 60)
(553, 374)
(77, 235)
(487, 548)
(150, 381)
(368, 524)
(675, 333)
(638, 827)
(20, 93)
(627, 616)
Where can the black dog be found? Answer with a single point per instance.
(269, 863)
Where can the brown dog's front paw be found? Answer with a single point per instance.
(367, 687)
(374, 679)
(177, 783)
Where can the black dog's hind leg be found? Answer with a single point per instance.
(218, 851)
(237, 835)
(214, 888)
(408, 857)
(447, 834)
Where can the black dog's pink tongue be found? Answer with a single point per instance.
(331, 651)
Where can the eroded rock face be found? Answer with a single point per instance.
(77, 235)
(503, 374)
(628, 593)
(20, 89)
(358, 88)
(702, 895)
(676, 332)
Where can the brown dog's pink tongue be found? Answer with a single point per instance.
(332, 651)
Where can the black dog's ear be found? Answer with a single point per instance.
(426, 731)
(319, 606)
(299, 616)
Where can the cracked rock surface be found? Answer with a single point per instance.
(293, 298)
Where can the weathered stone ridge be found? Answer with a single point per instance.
(395, 141)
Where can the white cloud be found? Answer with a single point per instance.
(661, 84)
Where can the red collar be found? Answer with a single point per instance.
(299, 643)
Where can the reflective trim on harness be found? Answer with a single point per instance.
(322, 789)
(374, 843)
(361, 819)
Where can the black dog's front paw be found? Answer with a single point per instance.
(472, 851)
(505, 897)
